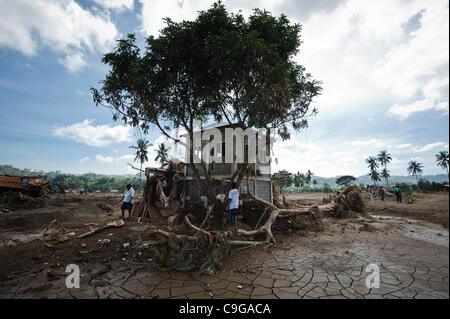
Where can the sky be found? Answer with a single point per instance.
(384, 67)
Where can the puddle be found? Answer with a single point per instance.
(419, 230)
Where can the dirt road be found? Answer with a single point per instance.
(411, 255)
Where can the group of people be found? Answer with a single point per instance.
(382, 193)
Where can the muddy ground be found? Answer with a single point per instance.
(408, 242)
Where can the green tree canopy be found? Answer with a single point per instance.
(345, 180)
(218, 66)
(284, 179)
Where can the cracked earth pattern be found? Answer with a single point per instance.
(331, 264)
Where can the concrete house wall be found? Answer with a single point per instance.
(260, 183)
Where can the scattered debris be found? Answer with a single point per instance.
(116, 223)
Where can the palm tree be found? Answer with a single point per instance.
(373, 163)
(443, 160)
(415, 169)
(374, 176)
(141, 153)
(299, 179)
(308, 177)
(384, 158)
(162, 154)
(315, 184)
(385, 174)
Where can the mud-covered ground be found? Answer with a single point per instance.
(408, 243)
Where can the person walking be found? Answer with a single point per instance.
(381, 192)
(127, 201)
(233, 205)
(398, 193)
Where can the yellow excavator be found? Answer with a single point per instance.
(34, 186)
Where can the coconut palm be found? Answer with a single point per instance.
(415, 169)
(308, 177)
(384, 158)
(373, 163)
(315, 184)
(162, 156)
(385, 174)
(141, 153)
(299, 179)
(443, 160)
(374, 176)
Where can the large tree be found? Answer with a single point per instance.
(345, 180)
(219, 66)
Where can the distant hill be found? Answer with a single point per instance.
(365, 179)
(331, 181)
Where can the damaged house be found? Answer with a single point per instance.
(221, 170)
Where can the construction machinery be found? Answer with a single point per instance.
(34, 186)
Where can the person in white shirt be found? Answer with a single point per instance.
(233, 205)
(127, 201)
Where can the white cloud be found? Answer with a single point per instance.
(99, 136)
(63, 26)
(116, 4)
(73, 62)
(369, 143)
(104, 159)
(404, 145)
(84, 159)
(419, 66)
(125, 158)
(154, 11)
(428, 147)
(404, 111)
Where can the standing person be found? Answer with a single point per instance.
(381, 192)
(371, 193)
(127, 201)
(398, 193)
(233, 205)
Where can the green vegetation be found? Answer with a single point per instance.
(415, 169)
(218, 67)
(443, 160)
(141, 153)
(284, 179)
(345, 180)
(90, 182)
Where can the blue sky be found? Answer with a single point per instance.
(384, 65)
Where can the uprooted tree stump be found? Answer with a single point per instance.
(205, 250)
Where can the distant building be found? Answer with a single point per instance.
(114, 191)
